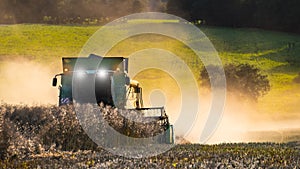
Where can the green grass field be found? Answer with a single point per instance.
(275, 53)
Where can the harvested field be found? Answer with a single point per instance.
(51, 137)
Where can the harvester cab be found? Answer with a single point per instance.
(104, 80)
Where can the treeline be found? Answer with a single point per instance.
(283, 15)
(72, 11)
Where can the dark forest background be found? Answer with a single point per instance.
(73, 11)
(281, 15)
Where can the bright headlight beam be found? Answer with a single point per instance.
(80, 73)
(101, 73)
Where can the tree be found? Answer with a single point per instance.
(245, 80)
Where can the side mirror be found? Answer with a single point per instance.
(54, 82)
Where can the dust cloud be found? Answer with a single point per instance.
(26, 82)
(242, 121)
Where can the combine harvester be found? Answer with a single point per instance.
(112, 87)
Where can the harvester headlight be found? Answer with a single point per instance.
(66, 69)
(80, 73)
(101, 73)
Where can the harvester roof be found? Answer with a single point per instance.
(93, 62)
